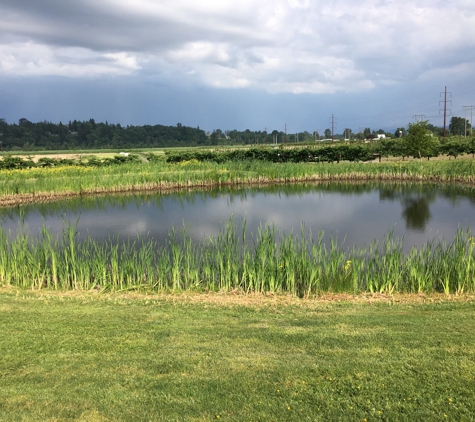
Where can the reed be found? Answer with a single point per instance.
(44, 184)
(270, 261)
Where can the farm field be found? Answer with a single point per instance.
(111, 357)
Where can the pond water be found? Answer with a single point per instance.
(354, 213)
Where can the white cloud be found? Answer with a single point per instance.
(23, 59)
(294, 46)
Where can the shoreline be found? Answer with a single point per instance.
(12, 200)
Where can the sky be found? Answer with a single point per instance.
(247, 64)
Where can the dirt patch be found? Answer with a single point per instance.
(72, 156)
(236, 298)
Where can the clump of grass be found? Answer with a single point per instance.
(35, 184)
(300, 265)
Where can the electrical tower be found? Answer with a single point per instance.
(419, 117)
(471, 123)
(332, 120)
(445, 107)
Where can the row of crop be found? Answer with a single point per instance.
(451, 147)
(297, 265)
(326, 153)
(356, 152)
(10, 162)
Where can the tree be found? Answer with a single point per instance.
(347, 133)
(400, 132)
(214, 138)
(438, 131)
(328, 133)
(458, 126)
(419, 141)
(24, 122)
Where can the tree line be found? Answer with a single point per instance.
(28, 136)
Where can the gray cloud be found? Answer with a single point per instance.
(280, 46)
(226, 50)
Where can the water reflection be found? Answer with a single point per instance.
(356, 212)
(415, 200)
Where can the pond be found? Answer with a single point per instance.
(356, 214)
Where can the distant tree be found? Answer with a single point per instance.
(347, 133)
(458, 125)
(419, 141)
(24, 122)
(438, 131)
(400, 132)
(328, 133)
(214, 138)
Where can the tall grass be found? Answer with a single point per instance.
(270, 261)
(37, 184)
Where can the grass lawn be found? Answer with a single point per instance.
(111, 357)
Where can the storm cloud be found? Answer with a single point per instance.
(270, 47)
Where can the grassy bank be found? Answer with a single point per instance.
(44, 184)
(271, 262)
(96, 357)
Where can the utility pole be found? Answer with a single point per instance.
(315, 134)
(333, 128)
(445, 107)
(419, 117)
(285, 133)
(471, 124)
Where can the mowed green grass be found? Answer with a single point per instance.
(92, 357)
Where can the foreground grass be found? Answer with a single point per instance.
(300, 265)
(183, 358)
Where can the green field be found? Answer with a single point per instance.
(91, 357)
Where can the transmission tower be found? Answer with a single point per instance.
(332, 121)
(419, 117)
(445, 107)
(471, 123)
